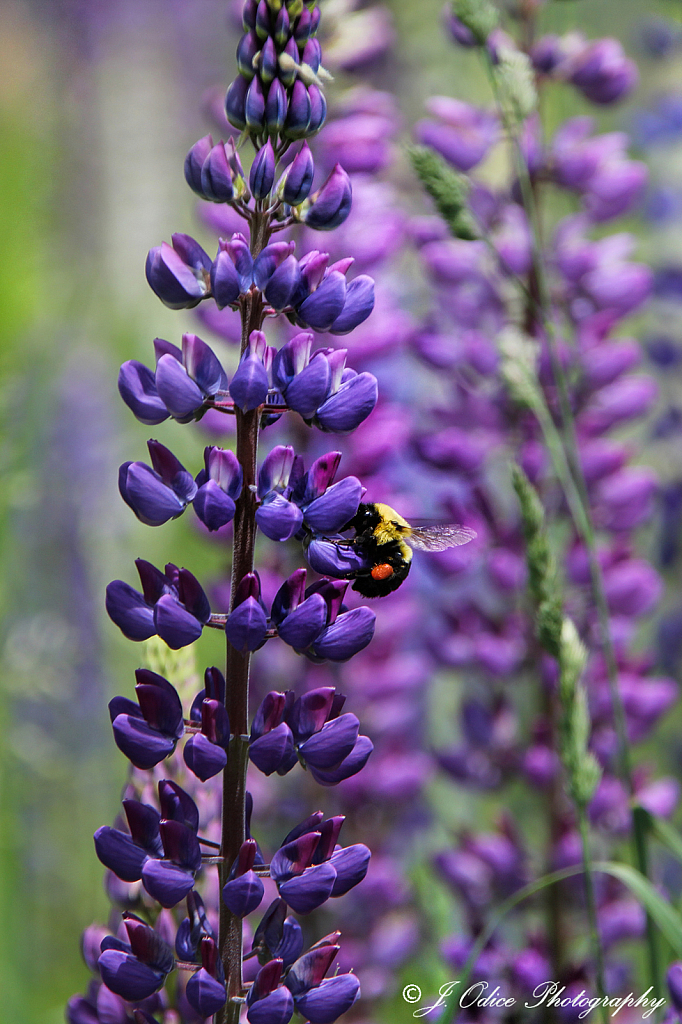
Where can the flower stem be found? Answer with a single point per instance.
(592, 912)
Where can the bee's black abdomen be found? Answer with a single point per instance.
(369, 587)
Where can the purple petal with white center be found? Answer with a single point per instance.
(137, 387)
(304, 623)
(117, 851)
(127, 976)
(272, 749)
(310, 969)
(244, 894)
(309, 388)
(223, 467)
(225, 282)
(308, 891)
(202, 364)
(276, 469)
(351, 867)
(283, 284)
(334, 742)
(203, 758)
(141, 744)
(351, 633)
(175, 624)
(177, 390)
(337, 506)
(291, 359)
(205, 994)
(246, 626)
(127, 608)
(322, 308)
(350, 406)
(165, 882)
(213, 507)
(354, 763)
(332, 998)
(276, 1008)
(279, 519)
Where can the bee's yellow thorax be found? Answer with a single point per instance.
(391, 527)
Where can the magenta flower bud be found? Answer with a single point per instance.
(299, 177)
(465, 136)
(603, 73)
(276, 107)
(299, 112)
(194, 161)
(178, 275)
(329, 1000)
(331, 204)
(262, 176)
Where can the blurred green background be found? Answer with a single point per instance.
(99, 101)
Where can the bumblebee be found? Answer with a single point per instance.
(386, 541)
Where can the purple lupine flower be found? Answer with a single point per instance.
(464, 135)
(249, 386)
(179, 275)
(219, 485)
(206, 991)
(158, 492)
(138, 968)
(205, 753)
(330, 205)
(243, 892)
(602, 72)
(147, 732)
(171, 605)
(298, 179)
(192, 929)
(246, 625)
(277, 517)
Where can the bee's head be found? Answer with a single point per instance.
(366, 518)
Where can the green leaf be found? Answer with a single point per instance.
(663, 831)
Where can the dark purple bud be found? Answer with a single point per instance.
(176, 805)
(350, 405)
(326, 303)
(351, 867)
(137, 387)
(276, 108)
(302, 625)
(174, 624)
(262, 176)
(331, 204)
(267, 979)
(289, 596)
(311, 711)
(166, 883)
(246, 626)
(248, 586)
(288, 61)
(351, 633)
(303, 27)
(247, 48)
(254, 107)
(312, 54)
(276, 1008)
(337, 506)
(215, 725)
(205, 994)
(310, 387)
(268, 61)
(125, 975)
(117, 851)
(263, 26)
(127, 608)
(283, 284)
(318, 110)
(179, 393)
(216, 175)
(204, 758)
(334, 742)
(235, 102)
(282, 27)
(299, 177)
(225, 283)
(249, 386)
(358, 305)
(273, 749)
(160, 703)
(329, 1000)
(178, 275)
(305, 893)
(298, 114)
(269, 714)
(354, 763)
(141, 744)
(243, 895)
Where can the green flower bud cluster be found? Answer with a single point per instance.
(480, 16)
(447, 188)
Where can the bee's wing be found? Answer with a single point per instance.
(439, 538)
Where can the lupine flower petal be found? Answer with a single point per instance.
(351, 866)
(279, 519)
(329, 1000)
(165, 882)
(244, 894)
(337, 506)
(304, 623)
(141, 744)
(276, 1008)
(305, 893)
(334, 742)
(213, 506)
(204, 758)
(127, 976)
(350, 406)
(272, 749)
(246, 626)
(354, 763)
(175, 624)
(310, 387)
(137, 387)
(128, 609)
(330, 206)
(351, 633)
(118, 852)
(326, 303)
(205, 994)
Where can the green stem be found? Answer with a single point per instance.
(595, 938)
